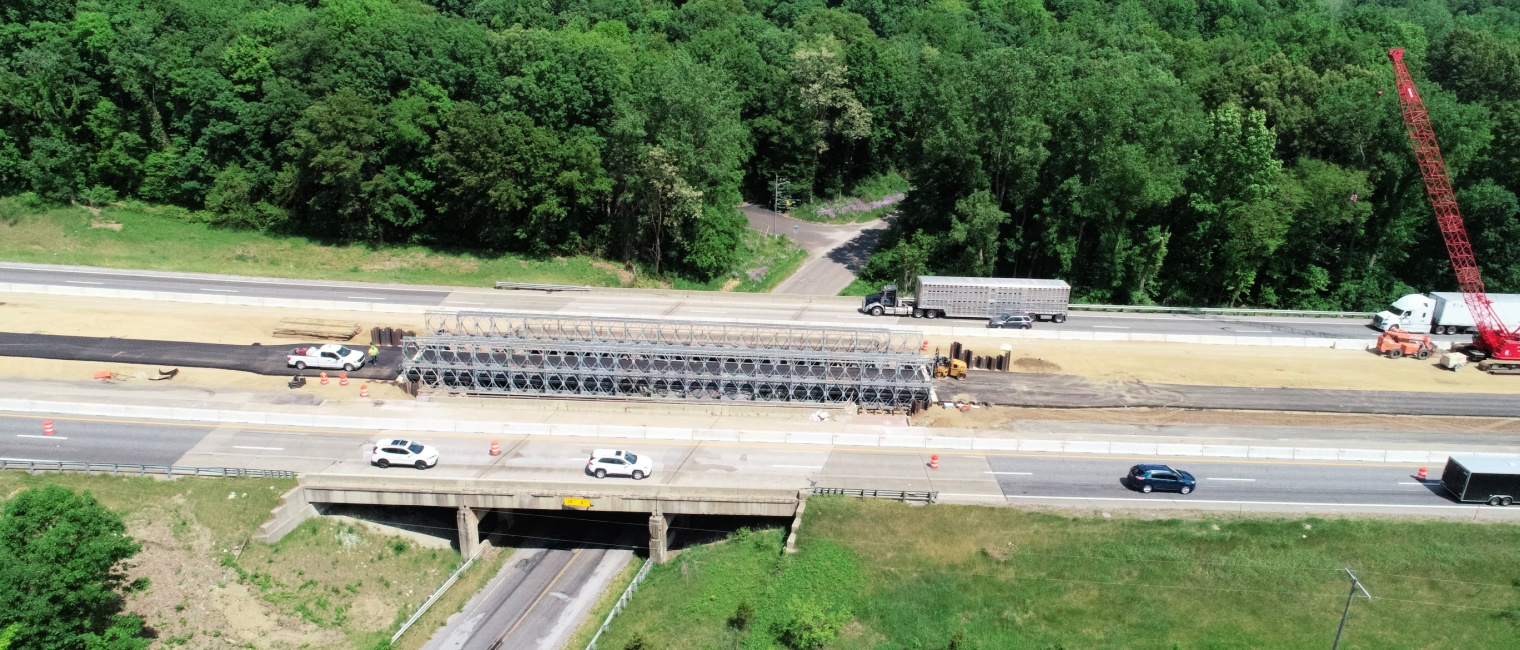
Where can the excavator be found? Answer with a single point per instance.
(1497, 346)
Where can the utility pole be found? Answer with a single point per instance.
(1355, 585)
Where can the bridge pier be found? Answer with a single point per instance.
(469, 531)
(659, 537)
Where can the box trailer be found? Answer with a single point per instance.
(1443, 312)
(952, 297)
(1494, 480)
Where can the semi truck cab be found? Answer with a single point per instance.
(1410, 313)
(885, 302)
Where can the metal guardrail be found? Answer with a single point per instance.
(895, 495)
(426, 604)
(1223, 310)
(530, 286)
(141, 470)
(622, 602)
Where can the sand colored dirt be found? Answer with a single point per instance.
(1161, 363)
(1236, 365)
(172, 321)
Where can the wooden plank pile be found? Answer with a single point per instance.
(316, 328)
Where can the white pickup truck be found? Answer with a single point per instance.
(331, 356)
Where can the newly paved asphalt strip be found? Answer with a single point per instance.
(258, 359)
(1067, 391)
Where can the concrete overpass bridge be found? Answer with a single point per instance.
(475, 499)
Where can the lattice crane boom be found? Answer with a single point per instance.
(1491, 334)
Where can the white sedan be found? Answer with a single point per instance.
(612, 462)
(403, 452)
(331, 356)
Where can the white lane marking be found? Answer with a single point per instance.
(973, 496)
(1181, 500)
(219, 290)
(1211, 478)
(1011, 473)
(262, 448)
(1110, 327)
(364, 297)
(81, 282)
(800, 466)
(28, 435)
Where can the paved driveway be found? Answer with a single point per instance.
(835, 252)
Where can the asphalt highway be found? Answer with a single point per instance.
(963, 476)
(663, 304)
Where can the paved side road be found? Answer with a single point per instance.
(537, 600)
(835, 251)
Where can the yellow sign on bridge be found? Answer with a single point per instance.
(578, 503)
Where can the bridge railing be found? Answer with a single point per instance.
(120, 469)
(1222, 311)
(622, 602)
(895, 495)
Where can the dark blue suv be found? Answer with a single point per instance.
(1148, 478)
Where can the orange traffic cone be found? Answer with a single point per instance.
(324, 379)
(342, 379)
(364, 390)
(934, 462)
(925, 347)
(1422, 474)
(495, 448)
(47, 427)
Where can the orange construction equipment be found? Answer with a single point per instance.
(364, 391)
(1421, 476)
(47, 427)
(1396, 343)
(934, 462)
(342, 379)
(324, 379)
(495, 448)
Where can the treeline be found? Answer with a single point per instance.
(1172, 151)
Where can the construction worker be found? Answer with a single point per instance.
(374, 353)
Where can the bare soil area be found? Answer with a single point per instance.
(172, 321)
(1235, 365)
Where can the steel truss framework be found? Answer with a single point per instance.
(489, 365)
(689, 334)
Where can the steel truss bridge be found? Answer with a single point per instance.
(508, 354)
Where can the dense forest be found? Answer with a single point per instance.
(1170, 151)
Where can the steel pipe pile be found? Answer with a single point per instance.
(574, 360)
(698, 334)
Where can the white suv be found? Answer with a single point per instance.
(403, 452)
(606, 462)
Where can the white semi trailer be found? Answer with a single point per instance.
(1443, 312)
(950, 297)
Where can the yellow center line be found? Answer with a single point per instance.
(705, 443)
(573, 557)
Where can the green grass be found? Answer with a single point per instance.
(765, 260)
(166, 239)
(866, 191)
(341, 582)
(859, 287)
(887, 575)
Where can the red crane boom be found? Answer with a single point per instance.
(1491, 336)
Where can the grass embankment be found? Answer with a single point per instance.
(164, 238)
(870, 199)
(886, 575)
(325, 585)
